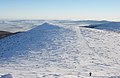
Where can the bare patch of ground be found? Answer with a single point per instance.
(4, 34)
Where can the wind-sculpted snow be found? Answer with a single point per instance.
(39, 38)
(52, 51)
(44, 46)
(106, 48)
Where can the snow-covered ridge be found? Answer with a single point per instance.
(112, 26)
(53, 51)
(44, 46)
(28, 41)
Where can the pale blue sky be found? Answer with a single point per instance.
(60, 9)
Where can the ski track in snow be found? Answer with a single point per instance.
(51, 51)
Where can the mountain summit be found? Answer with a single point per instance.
(31, 40)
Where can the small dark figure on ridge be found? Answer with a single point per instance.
(90, 74)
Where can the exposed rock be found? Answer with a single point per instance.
(4, 34)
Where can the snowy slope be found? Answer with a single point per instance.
(44, 46)
(52, 51)
(112, 26)
(106, 48)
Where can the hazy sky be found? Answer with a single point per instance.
(60, 9)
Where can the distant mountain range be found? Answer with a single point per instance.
(110, 26)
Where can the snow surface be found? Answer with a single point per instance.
(6, 76)
(57, 51)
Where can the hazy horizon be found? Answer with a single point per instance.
(60, 9)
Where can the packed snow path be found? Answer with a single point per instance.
(50, 51)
